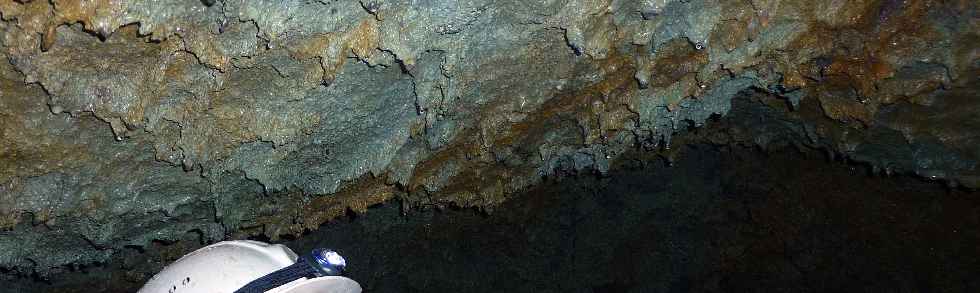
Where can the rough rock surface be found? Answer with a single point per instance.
(128, 122)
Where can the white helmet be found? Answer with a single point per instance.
(228, 266)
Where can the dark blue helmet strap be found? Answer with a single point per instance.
(310, 265)
(300, 269)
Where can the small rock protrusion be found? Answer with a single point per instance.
(642, 77)
(371, 7)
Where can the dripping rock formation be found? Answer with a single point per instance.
(127, 124)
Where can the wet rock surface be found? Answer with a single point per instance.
(129, 126)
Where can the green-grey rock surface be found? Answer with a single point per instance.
(124, 123)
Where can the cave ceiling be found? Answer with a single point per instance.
(127, 122)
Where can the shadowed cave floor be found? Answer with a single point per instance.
(719, 219)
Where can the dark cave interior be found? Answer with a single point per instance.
(707, 218)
